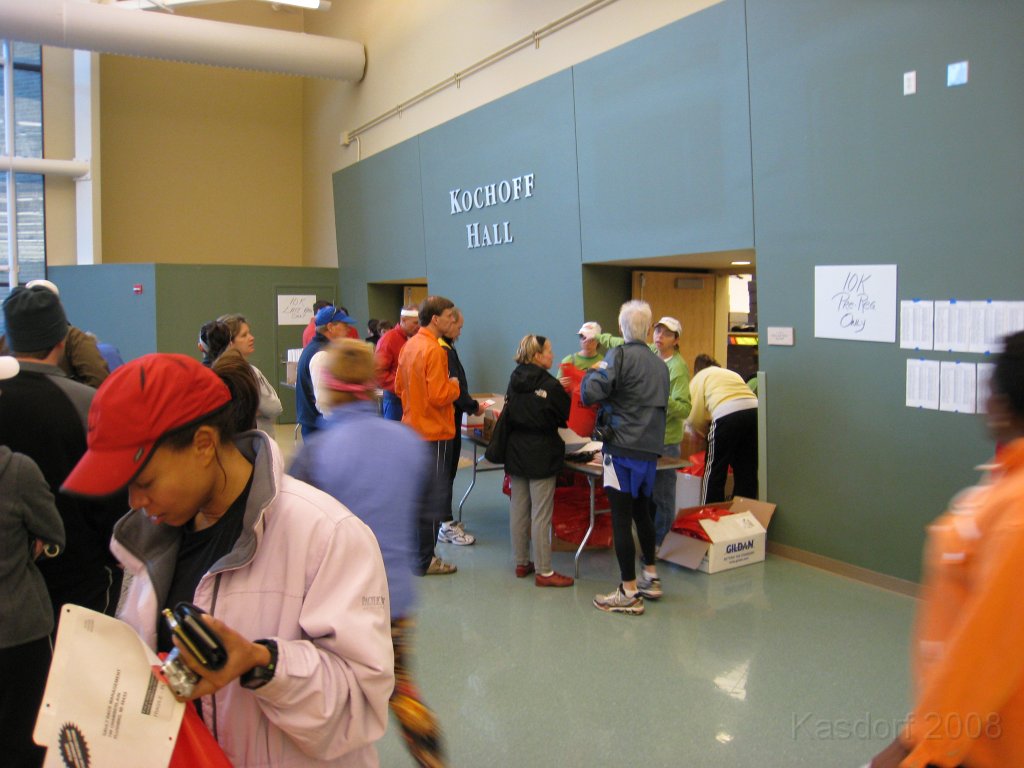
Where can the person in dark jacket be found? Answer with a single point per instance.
(44, 415)
(452, 532)
(331, 323)
(30, 526)
(631, 383)
(537, 406)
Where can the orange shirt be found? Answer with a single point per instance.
(426, 390)
(968, 650)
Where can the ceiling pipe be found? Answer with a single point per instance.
(73, 168)
(109, 29)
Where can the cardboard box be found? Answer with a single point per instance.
(687, 490)
(291, 366)
(736, 539)
(486, 428)
(470, 420)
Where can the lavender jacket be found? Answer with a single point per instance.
(377, 468)
(307, 573)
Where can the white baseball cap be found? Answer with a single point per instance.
(43, 284)
(672, 324)
(8, 367)
(590, 330)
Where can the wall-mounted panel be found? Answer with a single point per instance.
(664, 141)
(379, 217)
(848, 170)
(189, 295)
(501, 224)
(117, 302)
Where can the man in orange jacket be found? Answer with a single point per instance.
(428, 394)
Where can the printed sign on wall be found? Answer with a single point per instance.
(294, 309)
(857, 303)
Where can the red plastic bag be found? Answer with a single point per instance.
(570, 517)
(689, 525)
(696, 467)
(196, 747)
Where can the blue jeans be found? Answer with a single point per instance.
(665, 496)
(391, 406)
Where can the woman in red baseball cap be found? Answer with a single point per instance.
(290, 580)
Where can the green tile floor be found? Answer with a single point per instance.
(774, 664)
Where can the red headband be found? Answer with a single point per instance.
(362, 390)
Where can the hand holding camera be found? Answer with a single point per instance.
(208, 654)
(192, 635)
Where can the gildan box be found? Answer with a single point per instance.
(737, 538)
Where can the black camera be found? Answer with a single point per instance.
(603, 431)
(201, 641)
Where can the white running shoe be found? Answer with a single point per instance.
(454, 533)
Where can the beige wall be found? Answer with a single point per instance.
(202, 164)
(59, 144)
(209, 165)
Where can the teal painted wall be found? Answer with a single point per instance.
(389, 231)
(177, 299)
(100, 299)
(664, 141)
(190, 295)
(773, 124)
(379, 220)
(533, 284)
(847, 170)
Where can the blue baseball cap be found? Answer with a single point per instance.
(332, 315)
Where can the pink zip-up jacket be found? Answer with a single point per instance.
(307, 573)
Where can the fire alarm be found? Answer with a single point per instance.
(137, 289)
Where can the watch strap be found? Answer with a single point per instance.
(259, 676)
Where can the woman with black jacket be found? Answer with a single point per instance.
(537, 406)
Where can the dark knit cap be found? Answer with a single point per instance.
(35, 320)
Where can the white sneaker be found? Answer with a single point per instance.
(619, 602)
(454, 533)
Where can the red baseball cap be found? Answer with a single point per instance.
(139, 403)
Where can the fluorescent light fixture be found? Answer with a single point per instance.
(299, 3)
(741, 263)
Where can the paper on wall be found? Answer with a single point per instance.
(295, 309)
(855, 303)
(953, 326)
(923, 384)
(916, 323)
(984, 385)
(957, 387)
(103, 706)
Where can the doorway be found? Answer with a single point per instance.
(691, 298)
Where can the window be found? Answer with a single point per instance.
(21, 124)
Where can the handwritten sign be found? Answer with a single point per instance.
(294, 309)
(857, 303)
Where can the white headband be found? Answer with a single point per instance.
(410, 313)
